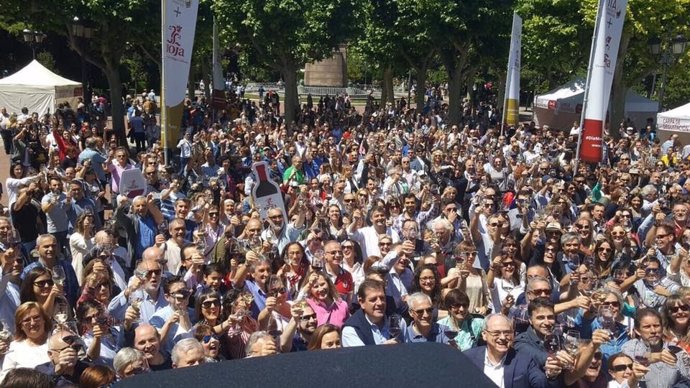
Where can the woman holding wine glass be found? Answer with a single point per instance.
(101, 336)
(38, 286)
(323, 298)
(606, 313)
(470, 280)
(30, 345)
(81, 242)
(98, 286)
(464, 328)
(353, 261)
(276, 314)
(503, 280)
(237, 310)
(625, 372)
(294, 269)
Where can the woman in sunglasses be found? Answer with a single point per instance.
(675, 316)
(209, 341)
(624, 372)
(38, 286)
(209, 312)
(469, 279)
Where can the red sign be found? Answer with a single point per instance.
(591, 146)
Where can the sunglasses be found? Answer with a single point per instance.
(181, 294)
(209, 338)
(308, 317)
(427, 310)
(675, 309)
(611, 304)
(622, 367)
(207, 304)
(44, 283)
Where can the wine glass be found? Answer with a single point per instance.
(450, 333)
(317, 262)
(571, 344)
(394, 326)
(58, 274)
(552, 344)
(607, 319)
(5, 334)
(274, 330)
(640, 350)
(60, 312)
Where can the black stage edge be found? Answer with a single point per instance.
(410, 365)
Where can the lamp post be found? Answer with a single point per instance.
(667, 54)
(82, 34)
(33, 38)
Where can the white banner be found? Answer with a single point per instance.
(178, 27)
(512, 99)
(608, 29)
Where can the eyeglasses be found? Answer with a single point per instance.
(625, 216)
(308, 317)
(44, 283)
(499, 333)
(349, 200)
(207, 304)
(347, 246)
(427, 310)
(459, 306)
(339, 251)
(660, 236)
(385, 244)
(156, 272)
(550, 250)
(611, 304)
(604, 249)
(277, 291)
(541, 292)
(427, 279)
(496, 224)
(508, 264)
(675, 309)
(582, 226)
(209, 338)
(213, 214)
(278, 217)
(621, 367)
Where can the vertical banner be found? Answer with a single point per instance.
(511, 105)
(178, 26)
(218, 96)
(608, 31)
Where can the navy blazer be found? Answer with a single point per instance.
(519, 371)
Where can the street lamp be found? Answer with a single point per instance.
(82, 33)
(667, 54)
(33, 38)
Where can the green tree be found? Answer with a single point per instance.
(287, 34)
(114, 22)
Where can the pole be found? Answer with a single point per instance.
(589, 73)
(662, 89)
(164, 113)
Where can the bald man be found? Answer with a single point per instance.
(506, 367)
(147, 339)
(64, 364)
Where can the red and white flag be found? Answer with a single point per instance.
(607, 38)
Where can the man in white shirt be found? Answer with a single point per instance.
(503, 365)
(368, 237)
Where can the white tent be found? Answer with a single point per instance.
(38, 89)
(674, 121)
(561, 107)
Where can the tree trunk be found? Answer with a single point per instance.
(420, 88)
(502, 90)
(205, 71)
(117, 110)
(618, 89)
(454, 94)
(387, 94)
(291, 98)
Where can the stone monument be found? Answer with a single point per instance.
(331, 72)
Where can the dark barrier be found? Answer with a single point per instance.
(412, 365)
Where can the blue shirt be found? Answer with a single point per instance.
(175, 334)
(147, 234)
(97, 161)
(587, 326)
(436, 334)
(259, 297)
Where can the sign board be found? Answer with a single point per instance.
(132, 183)
(266, 193)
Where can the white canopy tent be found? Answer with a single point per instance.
(561, 107)
(38, 89)
(674, 121)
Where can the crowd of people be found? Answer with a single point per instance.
(400, 228)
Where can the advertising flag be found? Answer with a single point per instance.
(178, 27)
(512, 99)
(607, 38)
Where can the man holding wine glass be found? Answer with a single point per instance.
(650, 350)
(370, 325)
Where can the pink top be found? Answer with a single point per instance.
(335, 314)
(115, 173)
